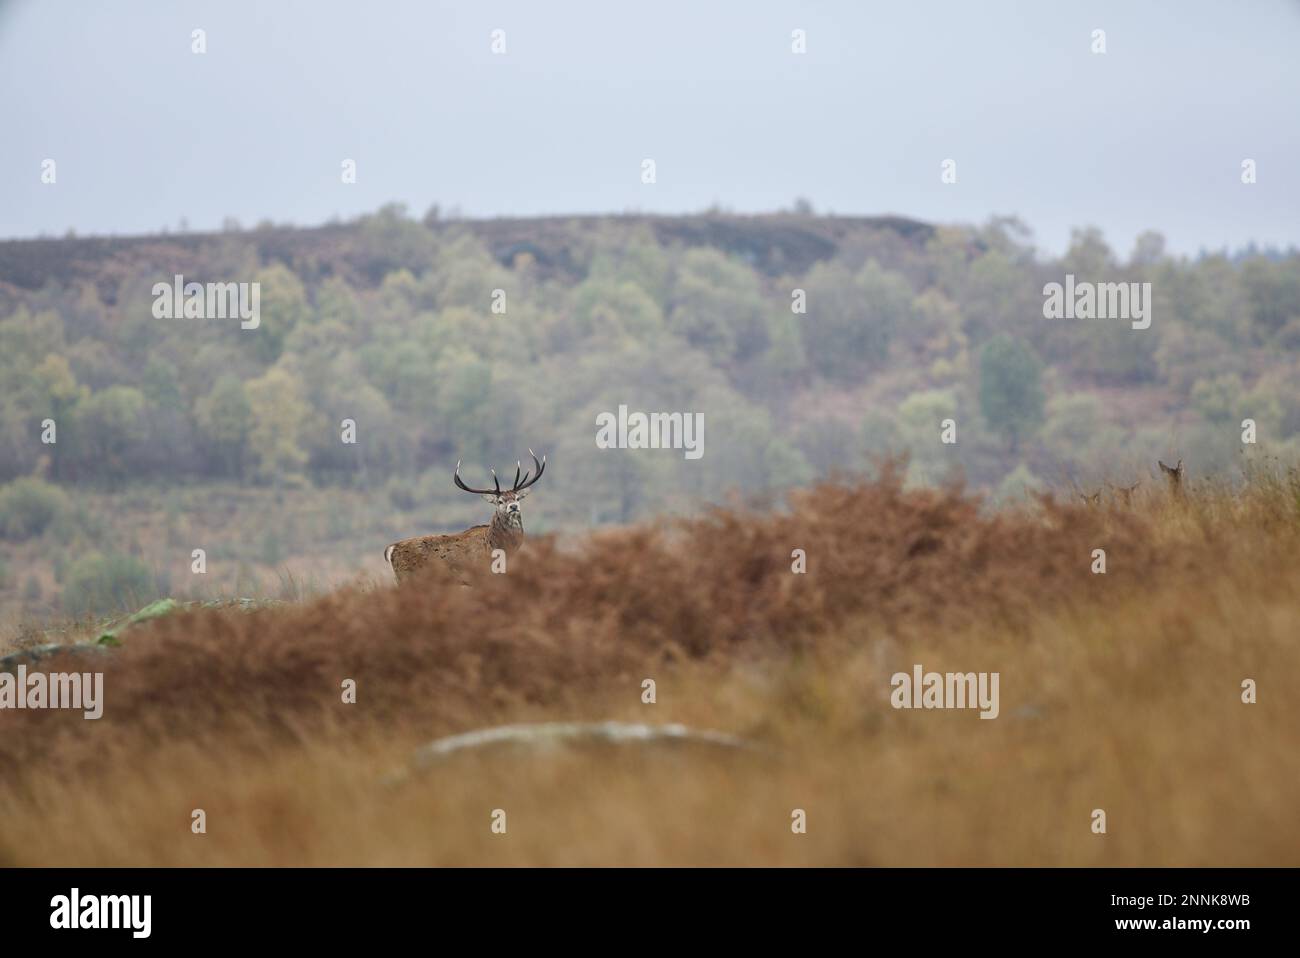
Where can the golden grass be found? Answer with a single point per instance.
(1120, 692)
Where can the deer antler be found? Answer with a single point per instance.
(481, 492)
(526, 481)
(521, 482)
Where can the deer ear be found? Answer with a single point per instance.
(490, 497)
(522, 494)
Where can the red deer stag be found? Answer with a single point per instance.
(470, 551)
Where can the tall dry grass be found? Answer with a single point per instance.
(1119, 691)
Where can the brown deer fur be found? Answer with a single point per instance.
(463, 552)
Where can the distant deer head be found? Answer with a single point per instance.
(1175, 476)
(1091, 498)
(1125, 493)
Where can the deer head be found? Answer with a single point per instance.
(507, 501)
(1125, 493)
(1175, 476)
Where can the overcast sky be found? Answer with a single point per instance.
(1151, 134)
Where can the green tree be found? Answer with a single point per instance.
(1148, 249)
(97, 584)
(1088, 257)
(479, 410)
(920, 427)
(465, 274)
(1218, 399)
(108, 426)
(56, 396)
(337, 303)
(1273, 292)
(283, 306)
(612, 307)
(390, 240)
(160, 384)
(853, 319)
(225, 420)
(1076, 432)
(1011, 389)
(638, 259)
(28, 506)
(279, 415)
(718, 307)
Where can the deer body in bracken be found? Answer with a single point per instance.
(469, 552)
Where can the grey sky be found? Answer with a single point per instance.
(1149, 135)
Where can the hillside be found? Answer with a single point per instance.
(809, 345)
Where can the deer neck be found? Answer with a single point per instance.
(506, 533)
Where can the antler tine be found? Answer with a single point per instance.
(518, 466)
(496, 482)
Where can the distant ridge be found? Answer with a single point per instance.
(773, 243)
